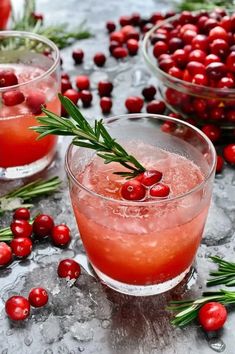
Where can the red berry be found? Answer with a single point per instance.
(194, 68)
(65, 85)
(199, 105)
(156, 16)
(5, 254)
(156, 107)
(226, 82)
(215, 71)
(166, 64)
(120, 53)
(135, 18)
(160, 190)
(230, 115)
(180, 57)
(86, 97)
(230, 62)
(7, 78)
(168, 126)
(217, 32)
(200, 41)
(219, 47)
(82, 82)
(132, 35)
(197, 55)
(38, 297)
(64, 76)
(43, 225)
(229, 153)
(132, 46)
(212, 132)
(211, 58)
(134, 104)
(188, 36)
(69, 268)
(21, 246)
(217, 113)
(174, 44)
(12, 98)
(117, 37)
(99, 59)
(21, 214)
(110, 25)
(149, 177)
(125, 20)
(35, 101)
(113, 45)
(133, 190)
(60, 235)
(78, 56)
(188, 26)
(72, 94)
(212, 316)
(209, 24)
(149, 92)
(17, 308)
(175, 72)
(37, 16)
(160, 48)
(21, 228)
(200, 79)
(105, 88)
(106, 104)
(219, 164)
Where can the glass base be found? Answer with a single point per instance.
(140, 290)
(27, 170)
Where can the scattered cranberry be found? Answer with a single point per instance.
(229, 153)
(12, 98)
(60, 235)
(37, 16)
(110, 25)
(86, 97)
(78, 56)
(5, 254)
(149, 92)
(105, 88)
(134, 104)
(212, 132)
(8, 78)
(17, 308)
(133, 190)
(106, 104)
(156, 107)
(43, 225)
(72, 94)
(21, 246)
(219, 164)
(125, 20)
(149, 177)
(82, 82)
(212, 316)
(117, 37)
(99, 59)
(132, 46)
(21, 214)
(64, 76)
(120, 52)
(69, 268)
(38, 297)
(160, 190)
(113, 45)
(35, 101)
(65, 85)
(21, 228)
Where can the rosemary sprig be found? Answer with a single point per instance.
(225, 273)
(187, 310)
(204, 4)
(96, 138)
(28, 192)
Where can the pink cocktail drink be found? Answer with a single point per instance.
(144, 247)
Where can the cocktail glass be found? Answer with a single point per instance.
(35, 61)
(145, 247)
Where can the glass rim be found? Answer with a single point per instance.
(187, 85)
(145, 203)
(40, 38)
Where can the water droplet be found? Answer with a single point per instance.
(28, 340)
(217, 345)
(207, 254)
(105, 324)
(9, 332)
(81, 349)
(48, 351)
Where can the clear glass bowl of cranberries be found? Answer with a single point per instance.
(193, 56)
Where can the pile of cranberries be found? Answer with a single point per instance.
(25, 232)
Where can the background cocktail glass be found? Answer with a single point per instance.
(144, 248)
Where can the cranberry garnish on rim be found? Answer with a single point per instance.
(17, 308)
(159, 190)
(21, 214)
(60, 235)
(149, 177)
(5, 254)
(133, 190)
(68, 268)
(43, 225)
(21, 228)
(21, 246)
(38, 297)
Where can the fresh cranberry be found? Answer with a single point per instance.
(126, 30)
(188, 26)
(43, 225)
(65, 76)
(159, 190)
(212, 132)
(160, 48)
(72, 94)
(156, 37)
(86, 97)
(180, 57)
(132, 35)
(186, 17)
(125, 20)
(65, 85)
(200, 79)
(133, 190)
(215, 71)
(147, 27)
(212, 316)
(226, 82)
(219, 164)
(120, 53)
(78, 56)
(229, 153)
(38, 297)
(200, 41)
(199, 105)
(60, 235)
(175, 72)
(197, 55)
(5, 254)
(149, 177)
(99, 59)
(230, 115)
(217, 113)
(156, 107)
(168, 126)
(35, 101)
(211, 58)
(188, 36)
(37, 16)
(21, 228)
(105, 88)
(209, 24)
(69, 268)
(8, 78)
(113, 45)
(218, 32)
(149, 92)
(110, 25)
(166, 64)
(17, 308)
(135, 18)
(132, 46)
(117, 37)
(219, 47)
(175, 115)
(175, 43)
(226, 23)
(12, 98)
(21, 246)
(134, 104)
(106, 104)
(230, 62)
(194, 68)
(173, 96)
(156, 16)
(82, 82)
(201, 21)
(21, 214)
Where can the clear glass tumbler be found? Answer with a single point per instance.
(145, 247)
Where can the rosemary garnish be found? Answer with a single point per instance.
(18, 197)
(194, 5)
(96, 138)
(225, 273)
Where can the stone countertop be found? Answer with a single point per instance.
(88, 317)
